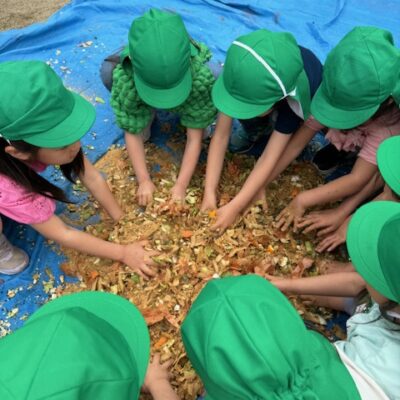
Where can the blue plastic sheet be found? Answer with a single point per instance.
(64, 42)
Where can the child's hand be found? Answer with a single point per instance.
(279, 282)
(333, 240)
(145, 192)
(138, 259)
(178, 193)
(291, 214)
(157, 374)
(325, 221)
(226, 216)
(209, 202)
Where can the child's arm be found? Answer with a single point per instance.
(133, 255)
(97, 186)
(135, 147)
(157, 380)
(341, 284)
(227, 214)
(296, 145)
(347, 185)
(338, 237)
(326, 221)
(189, 163)
(280, 147)
(215, 160)
(334, 239)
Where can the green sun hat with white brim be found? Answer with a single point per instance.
(160, 51)
(360, 73)
(388, 157)
(36, 107)
(260, 69)
(373, 246)
(246, 341)
(88, 345)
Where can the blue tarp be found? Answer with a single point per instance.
(105, 23)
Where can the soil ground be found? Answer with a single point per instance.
(19, 13)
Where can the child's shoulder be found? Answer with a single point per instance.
(202, 75)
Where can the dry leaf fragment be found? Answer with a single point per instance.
(186, 234)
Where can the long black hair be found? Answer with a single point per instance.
(26, 177)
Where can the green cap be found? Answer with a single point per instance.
(36, 107)
(246, 341)
(372, 241)
(89, 345)
(260, 69)
(388, 157)
(359, 74)
(159, 47)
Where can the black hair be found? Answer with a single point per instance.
(26, 177)
(388, 107)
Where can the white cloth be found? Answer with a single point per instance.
(366, 386)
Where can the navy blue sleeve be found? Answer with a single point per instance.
(287, 121)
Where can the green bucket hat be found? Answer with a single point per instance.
(89, 345)
(260, 69)
(359, 74)
(246, 342)
(372, 241)
(159, 47)
(388, 157)
(36, 107)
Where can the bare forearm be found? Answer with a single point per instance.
(97, 186)
(216, 152)
(137, 155)
(190, 156)
(340, 188)
(55, 229)
(262, 170)
(296, 145)
(164, 391)
(352, 202)
(340, 284)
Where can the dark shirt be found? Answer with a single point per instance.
(287, 121)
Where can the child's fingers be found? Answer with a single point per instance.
(281, 215)
(312, 227)
(149, 262)
(147, 270)
(281, 219)
(217, 229)
(287, 223)
(156, 358)
(167, 364)
(306, 221)
(333, 246)
(140, 273)
(328, 244)
(326, 231)
(153, 253)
